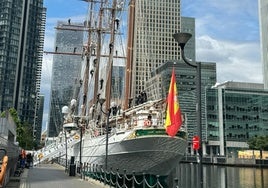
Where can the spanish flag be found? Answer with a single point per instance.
(173, 117)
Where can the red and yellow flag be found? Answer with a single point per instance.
(173, 117)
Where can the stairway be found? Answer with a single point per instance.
(55, 149)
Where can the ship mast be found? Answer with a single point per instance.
(111, 54)
(128, 76)
(103, 27)
(96, 61)
(88, 56)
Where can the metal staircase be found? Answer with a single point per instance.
(58, 147)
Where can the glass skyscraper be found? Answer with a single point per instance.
(65, 71)
(38, 121)
(22, 26)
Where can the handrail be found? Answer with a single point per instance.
(54, 149)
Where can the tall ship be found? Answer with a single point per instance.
(104, 124)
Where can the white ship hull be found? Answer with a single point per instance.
(133, 145)
(149, 154)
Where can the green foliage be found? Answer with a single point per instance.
(258, 143)
(3, 114)
(24, 131)
(14, 115)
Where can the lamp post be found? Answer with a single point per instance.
(66, 149)
(182, 39)
(80, 126)
(101, 101)
(65, 111)
(80, 148)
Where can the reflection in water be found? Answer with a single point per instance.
(222, 176)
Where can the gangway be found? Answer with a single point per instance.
(55, 149)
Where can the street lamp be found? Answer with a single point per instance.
(65, 111)
(101, 101)
(80, 148)
(80, 127)
(182, 39)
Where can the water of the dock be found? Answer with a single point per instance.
(51, 176)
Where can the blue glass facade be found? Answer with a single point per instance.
(65, 71)
(22, 26)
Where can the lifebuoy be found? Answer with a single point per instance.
(96, 133)
(76, 136)
(147, 123)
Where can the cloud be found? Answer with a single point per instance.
(225, 19)
(227, 33)
(235, 61)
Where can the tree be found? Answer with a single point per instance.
(24, 131)
(258, 143)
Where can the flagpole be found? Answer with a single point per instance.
(182, 39)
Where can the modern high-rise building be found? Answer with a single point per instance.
(263, 20)
(22, 26)
(155, 23)
(65, 71)
(38, 122)
(188, 26)
(118, 77)
(158, 85)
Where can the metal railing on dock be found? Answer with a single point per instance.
(114, 179)
(228, 161)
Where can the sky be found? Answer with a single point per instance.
(227, 33)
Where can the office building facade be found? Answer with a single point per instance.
(22, 26)
(155, 23)
(263, 20)
(236, 112)
(188, 26)
(38, 123)
(65, 71)
(158, 85)
(117, 90)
